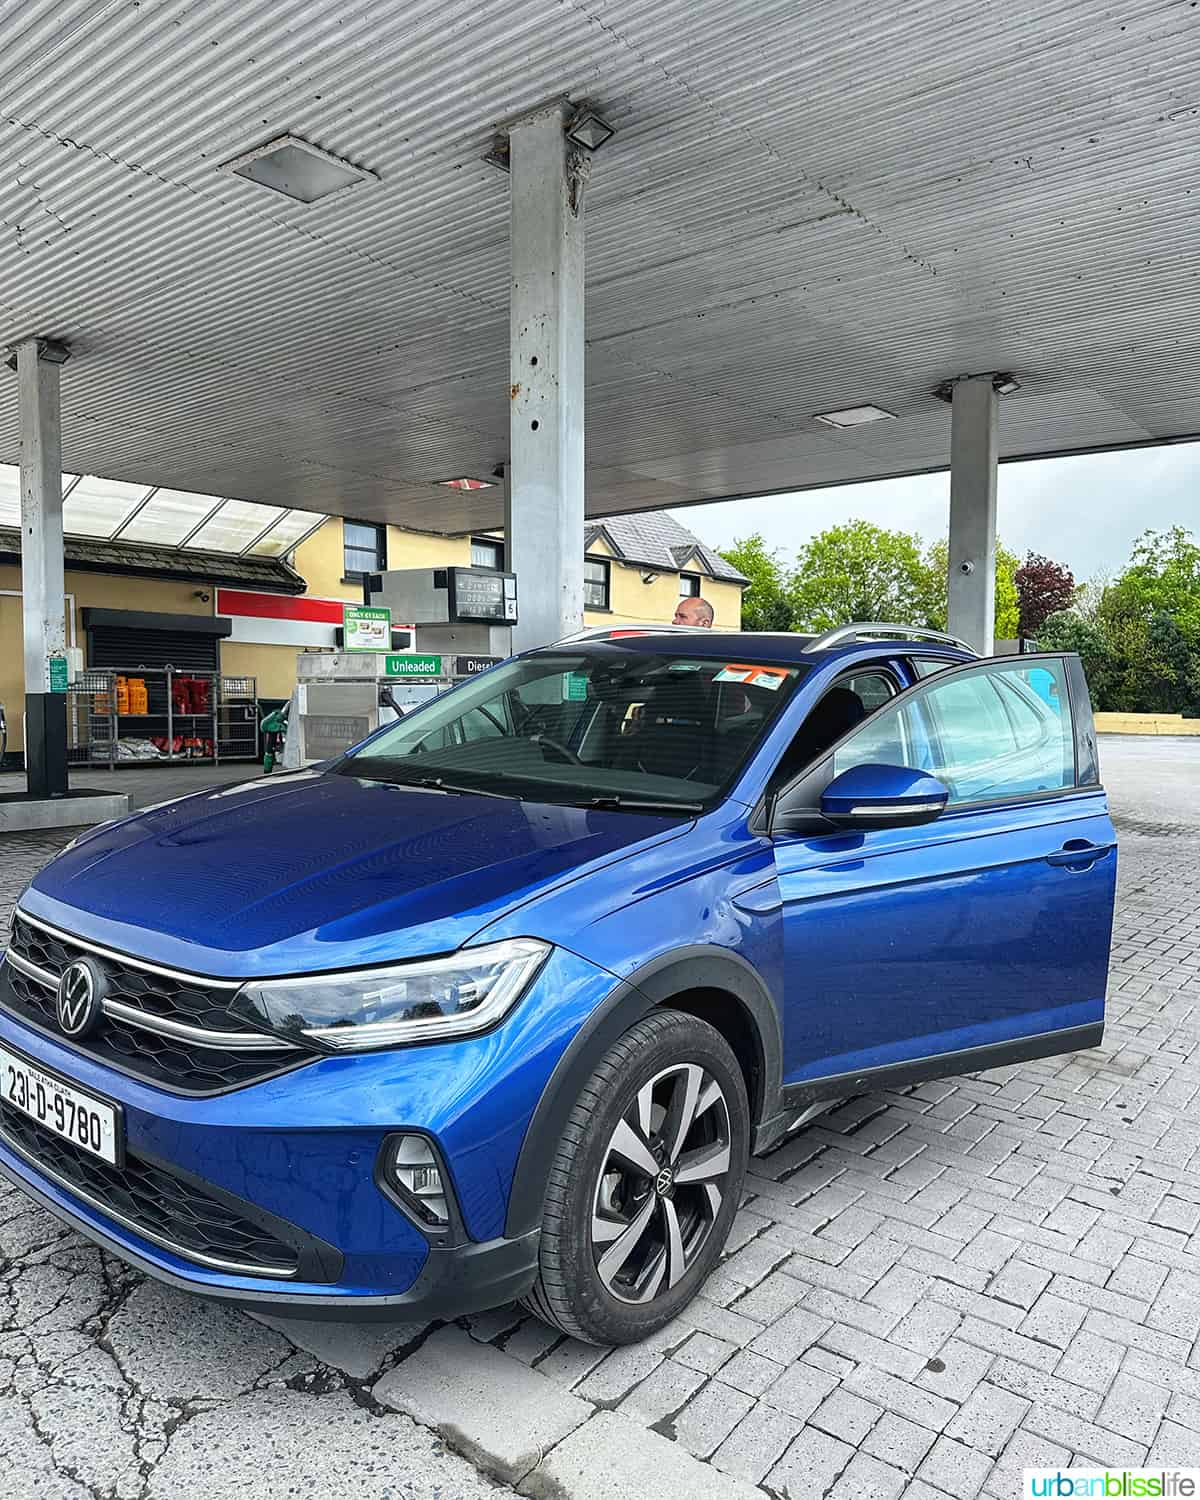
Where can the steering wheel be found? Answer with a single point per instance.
(488, 714)
(544, 741)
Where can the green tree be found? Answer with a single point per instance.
(860, 572)
(765, 603)
(1074, 630)
(1139, 634)
(1008, 603)
(1163, 577)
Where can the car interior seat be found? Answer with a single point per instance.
(832, 717)
(674, 732)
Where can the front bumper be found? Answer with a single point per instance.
(297, 1153)
(455, 1279)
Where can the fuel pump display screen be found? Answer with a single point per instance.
(476, 595)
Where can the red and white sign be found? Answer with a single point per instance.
(280, 619)
(283, 619)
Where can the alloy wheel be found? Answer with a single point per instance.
(661, 1183)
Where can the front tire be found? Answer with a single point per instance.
(645, 1183)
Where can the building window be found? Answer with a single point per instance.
(487, 554)
(595, 583)
(364, 548)
(689, 586)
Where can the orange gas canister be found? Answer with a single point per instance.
(139, 699)
(122, 695)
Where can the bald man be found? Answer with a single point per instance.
(694, 611)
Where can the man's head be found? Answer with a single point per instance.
(694, 611)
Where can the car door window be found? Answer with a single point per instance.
(989, 732)
(926, 666)
(849, 701)
(873, 689)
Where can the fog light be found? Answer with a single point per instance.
(415, 1173)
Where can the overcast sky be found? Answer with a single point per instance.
(1084, 512)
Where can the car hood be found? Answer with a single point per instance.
(316, 871)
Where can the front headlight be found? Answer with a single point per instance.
(430, 1000)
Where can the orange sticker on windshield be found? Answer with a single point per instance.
(764, 677)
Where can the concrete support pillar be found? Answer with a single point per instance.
(38, 362)
(973, 459)
(544, 502)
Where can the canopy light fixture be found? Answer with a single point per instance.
(466, 483)
(298, 169)
(854, 416)
(49, 351)
(497, 154)
(1004, 383)
(588, 130)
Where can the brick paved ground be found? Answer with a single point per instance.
(926, 1292)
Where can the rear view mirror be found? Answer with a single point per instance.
(877, 796)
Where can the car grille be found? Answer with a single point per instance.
(170, 1029)
(153, 1202)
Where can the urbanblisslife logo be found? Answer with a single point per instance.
(1112, 1484)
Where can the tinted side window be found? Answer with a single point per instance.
(926, 666)
(999, 730)
(873, 689)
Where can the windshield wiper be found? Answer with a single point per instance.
(641, 804)
(440, 784)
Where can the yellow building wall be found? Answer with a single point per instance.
(630, 599)
(420, 549)
(319, 560)
(12, 665)
(273, 666)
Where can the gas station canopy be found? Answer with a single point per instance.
(806, 208)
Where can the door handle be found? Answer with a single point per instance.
(1078, 854)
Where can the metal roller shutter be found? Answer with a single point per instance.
(125, 649)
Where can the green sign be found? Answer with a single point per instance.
(365, 628)
(58, 674)
(413, 666)
(575, 686)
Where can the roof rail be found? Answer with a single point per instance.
(870, 630)
(631, 627)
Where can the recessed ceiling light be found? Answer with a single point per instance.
(854, 416)
(467, 484)
(588, 130)
(297, 169)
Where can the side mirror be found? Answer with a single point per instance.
(874, 796)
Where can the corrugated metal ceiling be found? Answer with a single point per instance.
(807, 205)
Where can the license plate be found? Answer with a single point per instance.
(82, 1119)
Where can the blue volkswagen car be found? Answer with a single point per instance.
(499, 1004)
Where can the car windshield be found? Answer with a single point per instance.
(600, 726)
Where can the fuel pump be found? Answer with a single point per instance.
(461, 623)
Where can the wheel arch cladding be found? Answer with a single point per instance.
(710, 983)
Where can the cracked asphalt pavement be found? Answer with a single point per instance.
(924, 1292)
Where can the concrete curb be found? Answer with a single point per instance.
(24, 815)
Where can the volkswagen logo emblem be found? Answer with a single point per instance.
(79, 997)
(664, 1182)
